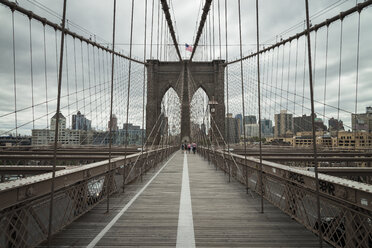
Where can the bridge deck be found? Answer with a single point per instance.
(223, 215)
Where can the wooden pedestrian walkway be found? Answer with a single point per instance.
(175, 209)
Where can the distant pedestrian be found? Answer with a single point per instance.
(193, 148)
(189, 147)
(182, 147)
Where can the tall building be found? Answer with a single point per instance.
(61, 122)
(79, 122)
(250, 119)
(114, 125)
(251, 130)
(334, 125)
(283, 124)
(319, 125)
(134, 135)
(266, 127)
(239, 119)
(65, 136)
(231, 129)
(302, 124)
(362, 122)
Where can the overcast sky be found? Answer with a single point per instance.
(94, 19)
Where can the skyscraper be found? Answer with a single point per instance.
(79, 122)
(114, 125)
(283, 124)
(362, 122)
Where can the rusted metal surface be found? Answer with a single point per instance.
(346, 206)
(23, 219)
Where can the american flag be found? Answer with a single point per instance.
(188, 47)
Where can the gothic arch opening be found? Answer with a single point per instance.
(170, 117)
(199, 115)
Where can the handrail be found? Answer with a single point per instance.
(340, 189)
(25, 189)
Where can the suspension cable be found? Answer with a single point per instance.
(242, 83)
(111, 108)
(313, 125)
(203, 18)
(219, 29)
(339, 81)
(144, 82)
(335, 18)
(227, 68)
(14, 77)
(32, 77)
(57, 124)
(356, 83)
(170, 26)
(259, 105)
(325, 73)
(128, 93)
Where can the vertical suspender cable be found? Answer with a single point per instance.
(214, 50)
(314, 69)
(295, 80)
(67, 80)
(111, 107)
(313, 125)
(99, 102)
(144, 79)
(56, 45)
(50, 229)
(356, 83)
(289, 72)
(144, 82)
(219, 29)
(32, 77)
(325, 74)
(95, 85)
(152, 28)
(242, 86)
(281, 81)
(75, 72)
(128, 97)
(45, 78)
(227, 71)
(82, 73)
(14, 77)
(339, 83)
(157, 37)
(89, 83)
(161, 36)
(259, 105)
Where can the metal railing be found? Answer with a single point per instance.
(346, 206)
(25, 202)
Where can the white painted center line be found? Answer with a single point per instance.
(185, 231)
(125, 208)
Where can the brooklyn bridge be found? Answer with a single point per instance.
(198, 123)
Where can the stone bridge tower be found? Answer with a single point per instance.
(185, 78)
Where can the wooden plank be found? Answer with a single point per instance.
(223, 214)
